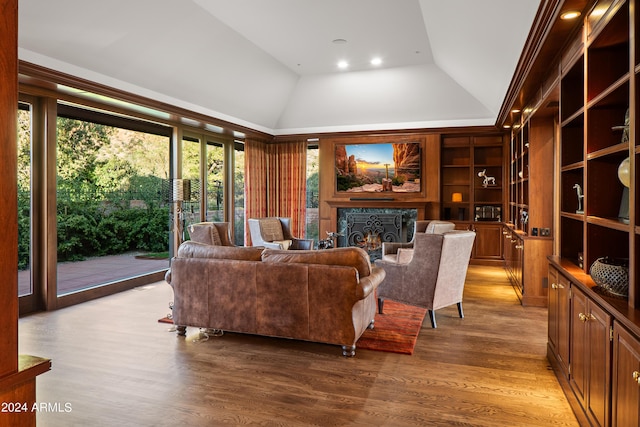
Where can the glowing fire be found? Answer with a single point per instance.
(371, 242)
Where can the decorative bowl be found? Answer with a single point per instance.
(611, 275)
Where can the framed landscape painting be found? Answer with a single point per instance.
(378, 167)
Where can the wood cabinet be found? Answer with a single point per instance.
(559, 319)
(626, 378)
(591, 330)
(526, 264)
(488, 244)
(594, 86)
(472, 196)
(598, 124)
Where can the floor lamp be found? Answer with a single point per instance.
(180, 192)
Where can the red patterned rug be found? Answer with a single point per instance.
(395, 331)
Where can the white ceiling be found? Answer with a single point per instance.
(271, 64)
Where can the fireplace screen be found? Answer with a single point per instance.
(369, 228)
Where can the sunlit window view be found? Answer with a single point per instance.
(113, 215)
(238, 194)
(24, 200)
(313, 190)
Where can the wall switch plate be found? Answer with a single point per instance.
(545, 232)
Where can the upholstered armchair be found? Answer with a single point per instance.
(432, 276)
(275, 233)
(211, 233)
(391, 250)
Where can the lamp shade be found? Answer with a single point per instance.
(456, 197)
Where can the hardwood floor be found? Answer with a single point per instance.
(114, 365)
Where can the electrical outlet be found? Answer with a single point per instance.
(534, 231)
(545, 232)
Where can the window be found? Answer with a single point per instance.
(313, 191)
(111, 210)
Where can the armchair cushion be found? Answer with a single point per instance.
(210, 233)
(405, 255)
(284, 244)
(271, 229)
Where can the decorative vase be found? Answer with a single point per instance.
(611, 275)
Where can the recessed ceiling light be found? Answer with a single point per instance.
(376, 61)
(343, 65)
(339, 41)
(570, 14)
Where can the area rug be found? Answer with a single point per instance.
(395, 331)
(166, 319)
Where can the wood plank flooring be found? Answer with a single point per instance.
(114, 365)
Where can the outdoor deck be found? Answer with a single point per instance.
(74, 276)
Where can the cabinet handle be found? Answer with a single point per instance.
(554, 286)
(591, 317)
(582, 317)
(513, 240)
(519, 246)
(560, 286)
(636, 376)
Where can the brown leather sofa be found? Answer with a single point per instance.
(320, 296)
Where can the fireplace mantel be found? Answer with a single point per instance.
(378, 202)
(424, 209)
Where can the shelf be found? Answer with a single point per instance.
(612, 223)
(462, 159)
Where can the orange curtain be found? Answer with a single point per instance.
(255, 183)
(276, 183)
(288, 183)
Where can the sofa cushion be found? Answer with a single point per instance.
(205, 232)
(271, 229)
(191, 249)
(350, 256)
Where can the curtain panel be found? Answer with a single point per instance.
(276, 183)
(255, 183)
(288, 183)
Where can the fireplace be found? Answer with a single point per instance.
(368, 228)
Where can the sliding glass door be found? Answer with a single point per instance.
(25, 283)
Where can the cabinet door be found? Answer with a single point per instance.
(488, 243)
(564, 321)
(591, 358)
(552, 313)
(599, 325)
(559, 318)
(579, 347)
(626, 378)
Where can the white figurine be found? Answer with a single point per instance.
(488, 180)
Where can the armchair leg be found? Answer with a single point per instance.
(380, 305)
(432, 317)
(460, 310)
(349, 350)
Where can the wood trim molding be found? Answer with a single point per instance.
(548, 38)
(47, 80)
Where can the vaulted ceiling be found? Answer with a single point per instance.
(271, 65)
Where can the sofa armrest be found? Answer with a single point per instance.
(371, 282)
(302, 244)
(392, 247)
